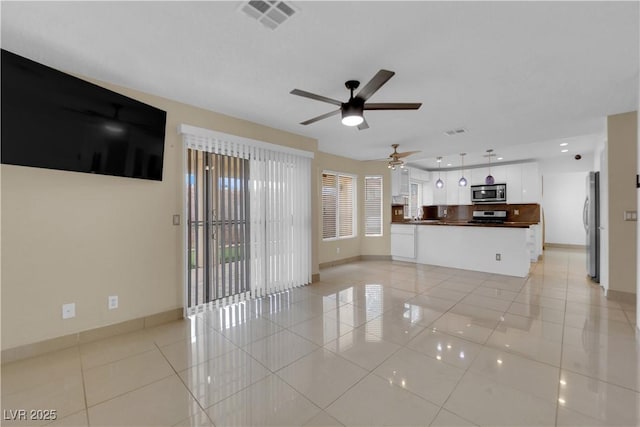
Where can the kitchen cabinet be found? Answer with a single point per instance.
(514, 183)
(419, 175)
(400, 182)
(440, 194)
(452, 188)
(478, 175)
(531, 183)
(475, 248)
(403, 241)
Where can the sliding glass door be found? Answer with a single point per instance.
(248, 209)
(218, 227)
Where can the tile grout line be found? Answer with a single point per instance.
(185, 386)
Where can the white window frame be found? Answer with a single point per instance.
(354, 204)
(366, 218)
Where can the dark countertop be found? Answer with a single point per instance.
(508, 224)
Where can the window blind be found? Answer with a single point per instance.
(338, 205)
(373, 206)
(279, 200)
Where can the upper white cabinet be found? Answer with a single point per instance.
(531, 183)
(514, 183)
(440, 194)
(452, 188)
(478, 175)
(419, 175)
(400, 182)
(401, 177)
(522, 179)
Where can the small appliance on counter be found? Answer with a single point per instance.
(495, 193)
(489, 217)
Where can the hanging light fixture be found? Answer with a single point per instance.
(463, 181)
(395, 162)
(439, 182)
(489, 180)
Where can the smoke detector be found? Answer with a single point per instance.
(271, 14)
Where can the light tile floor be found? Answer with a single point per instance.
(374, 343)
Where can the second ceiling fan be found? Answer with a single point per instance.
(353, 110)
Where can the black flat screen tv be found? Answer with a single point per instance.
(53, 120)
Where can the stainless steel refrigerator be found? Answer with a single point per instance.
(591, 220)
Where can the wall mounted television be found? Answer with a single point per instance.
(53, 120)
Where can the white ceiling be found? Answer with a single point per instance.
(520, 77)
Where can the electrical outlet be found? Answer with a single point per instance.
(113, 302)
(516, 211)
(69, 310)
(337, 250)
(445, 212)
(498, 257)
(176, 220)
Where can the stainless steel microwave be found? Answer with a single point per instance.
(494, 193)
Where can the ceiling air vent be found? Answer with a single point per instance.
(271, 14)
(454, 132)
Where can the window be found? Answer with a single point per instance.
(338, 206)
(373, 206)
(415, 199)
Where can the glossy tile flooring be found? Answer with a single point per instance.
(374, 343)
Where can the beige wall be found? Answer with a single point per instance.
(359, 245)
(74, 237)
(622, 155)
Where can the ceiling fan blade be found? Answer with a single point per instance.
(406, 154)
(393, 106)
(364, 125)
(316, 97)
(318, 118)
(374, 84)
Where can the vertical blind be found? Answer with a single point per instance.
(279, 200)
(338, 207)
(373, 206)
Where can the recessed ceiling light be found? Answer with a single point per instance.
(564, 151)
(500, 158)
(564, 144)
(448, 164)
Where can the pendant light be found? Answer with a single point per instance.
(439, 182)
(489, 180)
(463, 181)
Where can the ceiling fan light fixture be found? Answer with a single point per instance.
(352, 115)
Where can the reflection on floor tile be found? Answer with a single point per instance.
(219, 378)
(166, 402)
(269, 402)
(385, 404)
(373, 343)
(486, 402)
(322, 376)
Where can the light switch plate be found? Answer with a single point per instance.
(176, 220)
(630, 215)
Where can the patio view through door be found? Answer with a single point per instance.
(218, 227)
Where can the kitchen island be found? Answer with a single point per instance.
(493, 248)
